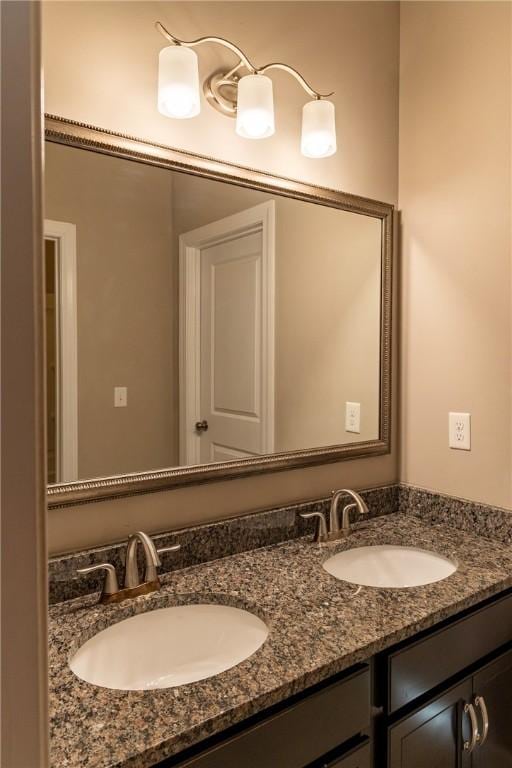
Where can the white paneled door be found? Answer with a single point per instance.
(227, 339)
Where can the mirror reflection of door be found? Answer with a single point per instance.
(61, 352)
(227, 401)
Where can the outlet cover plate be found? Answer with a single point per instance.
(459, 432)
(120, 397)
(353, 417)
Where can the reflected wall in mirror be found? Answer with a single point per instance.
(192, 321)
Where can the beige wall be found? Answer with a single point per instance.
(127, 321)
(101, 67)
(101, 63)
(327, 324)
(455, 196)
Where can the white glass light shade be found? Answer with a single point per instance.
(318, 129)
(255, 107)
(178, 82)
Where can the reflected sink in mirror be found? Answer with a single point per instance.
(169, 647)
(388, 566)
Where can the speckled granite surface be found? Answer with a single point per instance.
(318, 627)
(481, 519)
(205, 542)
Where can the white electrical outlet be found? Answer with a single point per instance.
(459, 431)
(353, 417)
(120, 397)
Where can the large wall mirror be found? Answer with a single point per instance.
(205, 321)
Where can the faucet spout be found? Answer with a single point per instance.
(152, 559)
(334, 518)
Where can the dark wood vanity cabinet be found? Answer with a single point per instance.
(494, 684)
(423, 663)
(432, 736)
(466, 664)
(438, 734)
(359, 757)
(325, 727)
(421, 692)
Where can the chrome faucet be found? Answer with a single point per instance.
(334, 517)
(131, 574)
(133, 586)
(334, 531)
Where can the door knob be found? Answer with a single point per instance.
(201, 426)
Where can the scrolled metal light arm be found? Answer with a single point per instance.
(244, 61)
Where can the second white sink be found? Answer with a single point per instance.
(169, 647)
(389, 566)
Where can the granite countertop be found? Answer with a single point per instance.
(318, 627)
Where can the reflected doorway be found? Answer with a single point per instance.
(61, 351)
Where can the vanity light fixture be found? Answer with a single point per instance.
(255, 107)
(244, 93)
(178, 82)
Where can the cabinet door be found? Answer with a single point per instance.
(494, 684)
(432, 737)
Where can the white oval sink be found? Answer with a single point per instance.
(389, 566)
(168, 647)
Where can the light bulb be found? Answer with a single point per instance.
(318, 129)
(255, 107)
(178, 82)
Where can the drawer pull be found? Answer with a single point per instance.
(472, 742)
(480, 703)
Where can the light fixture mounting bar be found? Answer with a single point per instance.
(244, 61)
(291, 71)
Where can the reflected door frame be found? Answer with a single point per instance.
(63, 235)
(190, 246)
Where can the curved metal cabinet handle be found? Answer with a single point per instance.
(321, 529)
(110, 586)
(480, 703)
(475, 736)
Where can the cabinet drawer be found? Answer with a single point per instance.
(356, 758)
(299, 734)
(420, 666)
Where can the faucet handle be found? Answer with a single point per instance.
(321, 528)
(172, 548)
(110, 585)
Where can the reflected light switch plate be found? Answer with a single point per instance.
(120, 397)
(353, 417)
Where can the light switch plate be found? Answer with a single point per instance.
(459, 431)
(353, 417)
(120, 397)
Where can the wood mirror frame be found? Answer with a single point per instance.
(87, 137)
